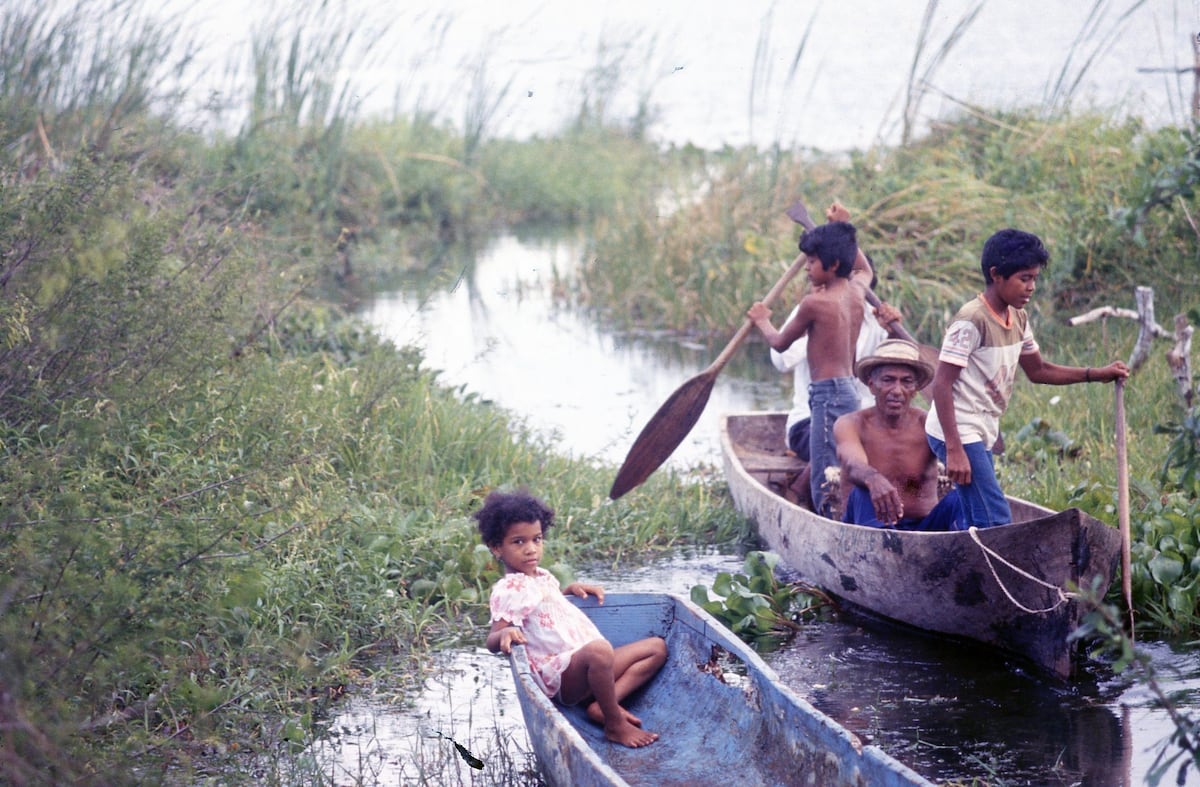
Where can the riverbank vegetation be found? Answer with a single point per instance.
(224, 504)
(1115, 204)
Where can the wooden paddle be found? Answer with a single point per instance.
(1123, 503)
(667, 428)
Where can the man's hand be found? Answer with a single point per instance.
(958, 467)
(888, 506)
(837, 212)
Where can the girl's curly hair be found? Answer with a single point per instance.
(502, 510)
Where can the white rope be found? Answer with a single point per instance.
(988, 554)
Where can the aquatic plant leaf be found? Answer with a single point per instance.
(1182, 601)
(767, 619)
(723, 584)
(1165, 570)
(742, 591)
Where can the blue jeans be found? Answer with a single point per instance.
(946, 515)
(983, 502)
(828, 400)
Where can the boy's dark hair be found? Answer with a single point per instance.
(1010, 251)
(834, 244)
(502, 510)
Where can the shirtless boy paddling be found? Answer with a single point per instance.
(831, 317)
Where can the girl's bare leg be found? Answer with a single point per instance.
(608, 676)
(633, 665)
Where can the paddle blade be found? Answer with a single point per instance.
(798, 213)
(664, 432)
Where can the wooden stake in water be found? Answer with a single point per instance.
(1123, 503)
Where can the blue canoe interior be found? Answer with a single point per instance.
(722, 715)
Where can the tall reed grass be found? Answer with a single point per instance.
(75, 77)
(925, 64)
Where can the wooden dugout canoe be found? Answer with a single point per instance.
(1006, 596)
(721, 713)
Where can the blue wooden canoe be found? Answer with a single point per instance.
(1007, 587)
(723, 720)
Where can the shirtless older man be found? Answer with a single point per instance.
(883, 451)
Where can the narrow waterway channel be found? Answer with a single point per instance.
(496, 329)
(952, 713)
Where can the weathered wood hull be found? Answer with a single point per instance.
(939, 582)
(743, 728)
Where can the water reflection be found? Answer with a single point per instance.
(494, 327)
(953, 711)
(470, 700)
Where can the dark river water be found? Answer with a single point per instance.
(952, 713)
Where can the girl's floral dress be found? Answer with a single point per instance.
(554, 627)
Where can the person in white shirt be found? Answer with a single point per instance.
(795, 360)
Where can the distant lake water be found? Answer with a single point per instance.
(823, 74)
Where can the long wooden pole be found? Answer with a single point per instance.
(1123, 503)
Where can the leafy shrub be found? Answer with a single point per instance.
(1181, 467)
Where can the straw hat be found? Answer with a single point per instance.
(895, 352)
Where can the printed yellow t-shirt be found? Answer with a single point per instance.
(988, 349)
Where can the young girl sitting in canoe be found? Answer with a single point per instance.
(566, 650)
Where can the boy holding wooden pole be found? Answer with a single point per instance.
(985, 343)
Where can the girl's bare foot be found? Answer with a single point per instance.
(595, 714)
(626, 734)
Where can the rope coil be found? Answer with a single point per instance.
(989, 554)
